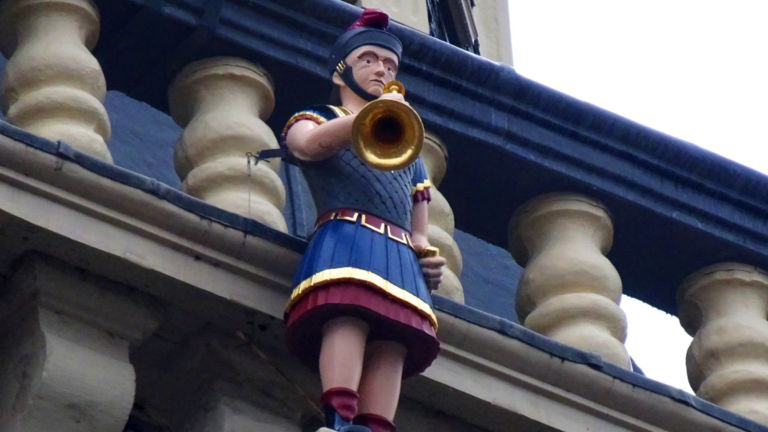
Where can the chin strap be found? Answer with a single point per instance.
(345, 72)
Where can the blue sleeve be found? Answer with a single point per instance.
(420, 182)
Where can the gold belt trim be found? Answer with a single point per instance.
(372, 223)
(369, 278)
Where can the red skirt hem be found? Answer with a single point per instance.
(388, 319)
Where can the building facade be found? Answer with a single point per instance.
(145, 260)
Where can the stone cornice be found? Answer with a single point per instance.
(217, 271)
(157, 235)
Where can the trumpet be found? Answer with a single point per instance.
(388, 134)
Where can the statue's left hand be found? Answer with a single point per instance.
(431, 267)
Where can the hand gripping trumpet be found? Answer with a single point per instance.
(388, 134)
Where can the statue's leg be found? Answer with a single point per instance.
(380, 385)
(341, 365)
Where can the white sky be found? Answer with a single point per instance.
(695, 69)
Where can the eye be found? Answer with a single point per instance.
(368, 61)
(390, 69)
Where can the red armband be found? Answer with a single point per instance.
(421, 192)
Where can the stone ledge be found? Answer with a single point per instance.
(211, 268)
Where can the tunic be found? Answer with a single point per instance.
(360, 260)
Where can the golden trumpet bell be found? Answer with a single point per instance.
(388, 134)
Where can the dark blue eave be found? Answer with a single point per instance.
(469, 314)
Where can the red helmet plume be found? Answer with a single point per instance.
(373, 18)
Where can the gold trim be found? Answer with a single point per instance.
(347, 218)
(379, 230)
(340, 67)
(317, 118)
(345, 110)
(367, 277)
(403, 240)
(421, 186)
(337, 111)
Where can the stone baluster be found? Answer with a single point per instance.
(64, 362)
(569, 290)
(222, 103)
(441, 222)
(724, 307)
(53, 87)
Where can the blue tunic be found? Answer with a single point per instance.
(346, 250)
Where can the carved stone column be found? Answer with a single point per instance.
(53, 87)
(441, 222)
(64, 362)
(724, 307)
(569, 290)
(223, 102)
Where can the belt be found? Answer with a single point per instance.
(368, 221)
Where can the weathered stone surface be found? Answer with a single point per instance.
(65, 364)
(222, 103)
(569, 291)
(52, 85)
(724, 307)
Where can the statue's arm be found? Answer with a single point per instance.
(309, 141)
(431, 267)
(420, 224)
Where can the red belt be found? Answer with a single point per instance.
(369, 221)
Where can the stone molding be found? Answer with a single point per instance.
(569, 290)
(232, 272)
(234, 389)
(66, 347)
(724, 307)
(53, 86)
(156, 235)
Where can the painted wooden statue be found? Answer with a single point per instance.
(360, 310)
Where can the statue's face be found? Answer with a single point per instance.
(373, 67)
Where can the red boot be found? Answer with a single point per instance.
(375, 422)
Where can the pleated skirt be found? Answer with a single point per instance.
(351, 270)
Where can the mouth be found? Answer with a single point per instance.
(379, 81)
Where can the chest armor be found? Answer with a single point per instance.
(344, 181)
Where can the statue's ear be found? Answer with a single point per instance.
(337, 79)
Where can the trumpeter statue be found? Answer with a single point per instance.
(360, 310)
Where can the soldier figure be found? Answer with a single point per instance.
(361, 310)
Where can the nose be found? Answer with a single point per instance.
(380, 70)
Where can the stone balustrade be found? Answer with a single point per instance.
(724, 307)
(441, 221)
(222, 104)
(569, 290)
(65, 349)
(52, 86)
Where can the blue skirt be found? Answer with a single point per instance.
(341, 250)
